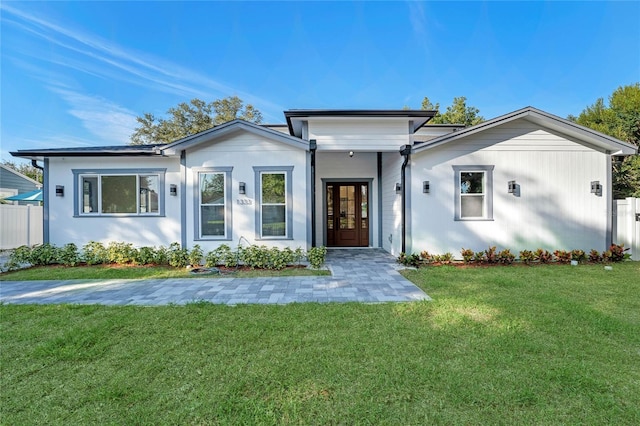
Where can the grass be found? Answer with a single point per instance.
(138, 272)
(515, 345)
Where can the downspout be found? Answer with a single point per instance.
(405, 151)
(313, 146)
(45, 200)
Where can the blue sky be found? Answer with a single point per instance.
(78, 73)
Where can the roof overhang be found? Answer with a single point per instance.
(118, 151)
(296, 117)
(585, 135)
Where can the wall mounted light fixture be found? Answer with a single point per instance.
(512, 187)
(59, 190)
(398, 188)
(242, 188)
(425, 187)
(596, 188)
(173, 189)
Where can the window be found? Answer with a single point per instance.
(118, 192)
(474, 195)
(213, 203)
(274, 213)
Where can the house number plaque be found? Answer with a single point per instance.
(245, 201)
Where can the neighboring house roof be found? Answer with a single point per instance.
(229, 128)
(295, 117)
(589, 137)
(19, 175)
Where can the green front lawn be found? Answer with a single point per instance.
(513, 345)
(106, 272)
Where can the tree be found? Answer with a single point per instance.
(620, 119)
(457, 113)
(26, 169)
(190, 118)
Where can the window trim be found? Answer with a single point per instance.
(488, 202)
(228, 216)
(288, 173)
(78, 174)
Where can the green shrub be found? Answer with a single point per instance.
(226, 256)
(94, 253)
(68, 255)
(177, 257)
(255, 257)
(195, 255)
(121, 253)
(20, 256)
(145, 256)
(44, 254)
(317, 255)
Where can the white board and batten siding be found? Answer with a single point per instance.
(554, 209)
(626, 225)
(139, 230)
(371, 135)
(242, 151)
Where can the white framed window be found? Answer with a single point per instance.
(119, 192)
(274, 209)
(473, 192)
(212, 187)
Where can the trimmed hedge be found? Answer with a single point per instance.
(96, 253)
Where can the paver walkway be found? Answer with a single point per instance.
(358, 275)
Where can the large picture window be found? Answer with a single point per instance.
(212, 186)
(274, 212)
(473, 187)
(118, 192)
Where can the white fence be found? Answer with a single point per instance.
(626, 224)
(20, 225)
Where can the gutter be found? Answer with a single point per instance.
(313, 146)
(405, 151)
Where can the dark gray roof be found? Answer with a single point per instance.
(90, 151)
(421, 116)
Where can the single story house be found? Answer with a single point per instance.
(343, 178)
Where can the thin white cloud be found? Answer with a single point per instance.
(102, 118)
(124, 64)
